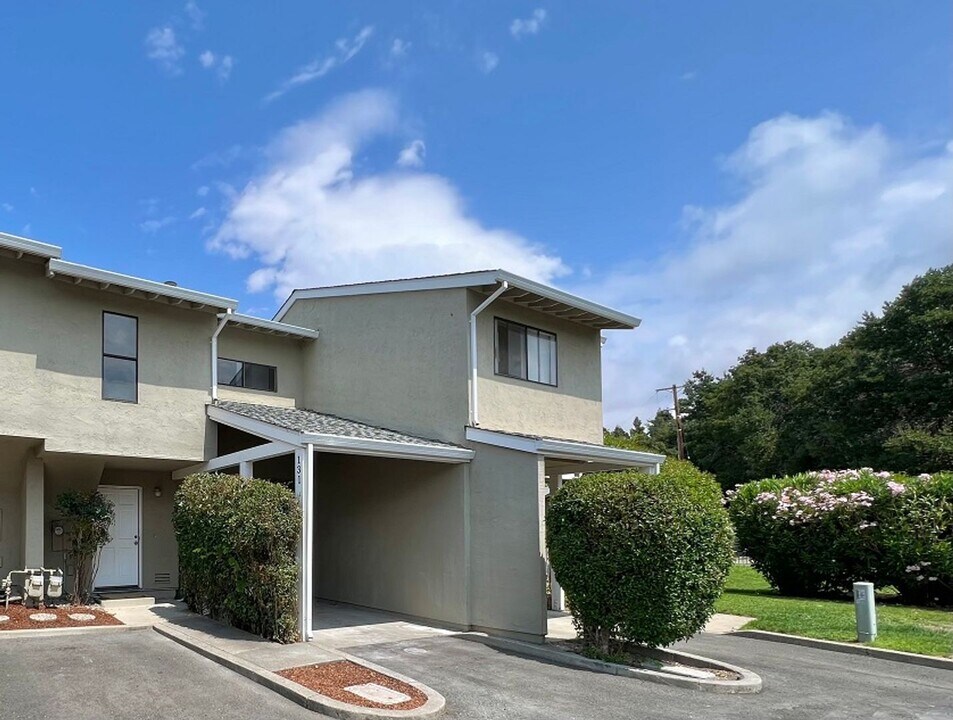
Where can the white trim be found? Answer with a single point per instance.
(463, 280)
(107, 278)
(26, 246)
(565, 449)
(249, 455)
(341, 444)
(222, 322)
(138, 489)
(272, 326)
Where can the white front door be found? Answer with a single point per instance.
(119, 560)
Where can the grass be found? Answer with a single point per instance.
(900, 627)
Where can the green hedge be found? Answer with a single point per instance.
(238, 540)
(642, 558)
(818, 533)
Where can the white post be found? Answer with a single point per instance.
(246, 469)
(865, 612)
(559, 602)
(304, 488)
(474, 397)
(222, 321)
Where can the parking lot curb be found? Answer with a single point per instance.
(302, 695)
(849, 648)
(58, 632)
(748, 683)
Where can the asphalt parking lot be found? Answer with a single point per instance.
(139, 675)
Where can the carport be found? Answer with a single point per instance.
(381, 532)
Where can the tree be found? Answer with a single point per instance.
(88, 515)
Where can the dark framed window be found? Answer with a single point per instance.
(254, 376)
(120, 357)
(524, 352)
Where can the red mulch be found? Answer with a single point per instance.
(20, 617)
(331, 678)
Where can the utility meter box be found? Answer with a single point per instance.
(34, 586)
(54, 588)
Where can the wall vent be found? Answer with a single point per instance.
(163, 579)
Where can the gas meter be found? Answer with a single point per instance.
(33, 584)
(54, 588)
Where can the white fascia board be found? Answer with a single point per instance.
(107, 278)
(252, 454)
(463, 280)
(564, 449)
(29, 247)
(273, 325)
(388, 448)
(340, 443)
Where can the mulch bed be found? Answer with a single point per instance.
(330, 679)
(19, 617)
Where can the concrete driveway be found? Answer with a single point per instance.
(139, 675)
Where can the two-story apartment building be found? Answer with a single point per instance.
(421, 422)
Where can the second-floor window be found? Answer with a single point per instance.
(120, 357)
(254, 376)
(524, 352)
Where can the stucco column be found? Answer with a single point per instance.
(33, 521)
(304, 490)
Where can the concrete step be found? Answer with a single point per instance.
(127, 602)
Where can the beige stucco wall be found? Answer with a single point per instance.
(14, 453)
(51, 369)
(398, 360)
(572, 409)
(390, 534)
(507, 569)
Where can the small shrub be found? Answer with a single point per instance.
(238, 539)
(818, 533)
(642, 558)
(87, 515)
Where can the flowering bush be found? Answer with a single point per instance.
(818, 533)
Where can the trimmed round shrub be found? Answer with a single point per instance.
(818, 533)
(238, 539)
(642, 558)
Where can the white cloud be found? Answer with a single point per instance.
(197, 213)
(487, 61)
(221, 65)
(225, 67)
(164, 49)
(207, 59)
(7, 207)
(344, 50)
(195, 14)
(399, 48)
(154, 225)
(832, 220)
(412, 155)
(311, 218)
(202, 191)
(530, 26)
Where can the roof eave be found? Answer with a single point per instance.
(20, 246)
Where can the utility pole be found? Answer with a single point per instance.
(679, 431)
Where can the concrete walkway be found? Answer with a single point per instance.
(340, 626)
(561, 627)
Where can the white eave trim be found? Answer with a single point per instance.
(565, 449)
(26, 246)
(107, 279)
(271, 326)
(341, 443)
(463, 280)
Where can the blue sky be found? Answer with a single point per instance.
(734, 173)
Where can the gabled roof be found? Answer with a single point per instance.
(520, 290)
(19, 246)
(330, 433)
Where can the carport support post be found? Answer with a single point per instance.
(304, 490)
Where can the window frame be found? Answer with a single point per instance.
(114, 356)
(524, 350)
(243, 363)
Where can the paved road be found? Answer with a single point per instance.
(800, 684)
(140, 675)
(132, 675)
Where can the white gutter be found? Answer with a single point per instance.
(474, 398)
(222, 322)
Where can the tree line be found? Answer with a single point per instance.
(880, 397)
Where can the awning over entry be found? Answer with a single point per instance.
(569, 456)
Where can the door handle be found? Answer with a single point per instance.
(136, 540)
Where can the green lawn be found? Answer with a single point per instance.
(900, 627)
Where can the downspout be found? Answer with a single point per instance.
(222, 322)
(474, 404)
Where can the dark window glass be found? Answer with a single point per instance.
(254, 376)
(120, 357)
(525, 353)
